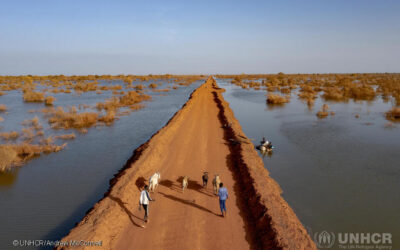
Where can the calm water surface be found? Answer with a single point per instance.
(339, 174)
(46, 197)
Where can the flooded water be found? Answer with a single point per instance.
(46, 197)
(340, 174)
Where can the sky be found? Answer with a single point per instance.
(78, 37)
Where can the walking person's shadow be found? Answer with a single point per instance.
(129, 213)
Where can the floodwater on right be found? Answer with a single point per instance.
(336, 156)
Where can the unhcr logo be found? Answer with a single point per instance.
(347, 240)
(324, 239)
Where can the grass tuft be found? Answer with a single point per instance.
(49, 100)
(3, 108)
(31, 96)
(273, 99)
(393, 114)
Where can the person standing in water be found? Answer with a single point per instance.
(144, 201)
(223, 196)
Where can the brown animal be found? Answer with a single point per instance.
(205, 179)
(216, 182)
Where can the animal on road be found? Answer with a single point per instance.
(216, 182)
(205, 179)
(153, 182)
(185, 183)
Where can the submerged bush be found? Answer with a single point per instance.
(108, 118)
(72, 119)
(49, 100)
(13, 155)
(139, 87)
(65, 137)
(324, 112)
(133, 97)
(3, 108)
(31, 96)
(276, 99)
(12, 135)
(8, 158)
(393, 114)
(333, 94)
(161, 90)
(153, 85)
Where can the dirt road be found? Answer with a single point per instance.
(202, 136)
(191, 220)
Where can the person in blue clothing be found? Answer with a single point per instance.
(223, 196)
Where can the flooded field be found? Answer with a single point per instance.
(48, 194)
(339, 174)
(336, 147)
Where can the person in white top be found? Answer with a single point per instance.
(144, 201)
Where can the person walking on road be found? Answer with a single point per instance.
(223, 196)
(144, 201)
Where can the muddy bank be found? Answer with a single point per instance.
(269, 219)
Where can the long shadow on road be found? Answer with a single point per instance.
(187, 202)
(129, 213)
(192, 185)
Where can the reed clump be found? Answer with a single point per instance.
(65, 136)
(152, 85)
(33, 123)
(333, 94)
(139, 87)
(72, 119)
(8, 158)
(285, 90)
(13, 155)
(28, 134)
(133, 97)
(31, 96)
(85, 86)
(273, 99)
(108, 118)
(12, 135)
(360, 92)
(39, 133)
(393, 114)
(161, 90)
(3, 108)
(324, 112)
(49, 100)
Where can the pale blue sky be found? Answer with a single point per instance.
(182, 37)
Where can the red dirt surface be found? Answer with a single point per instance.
(202, 136)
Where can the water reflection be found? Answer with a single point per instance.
(8, 178)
